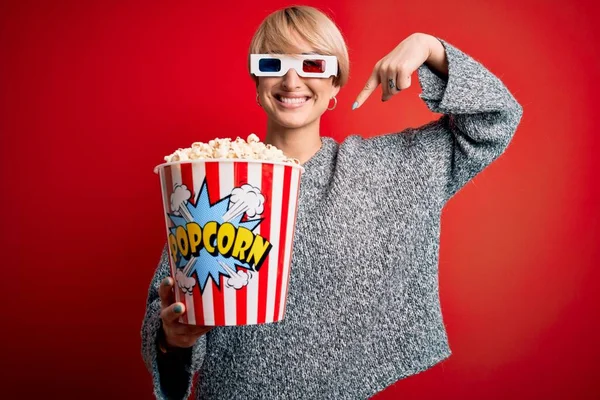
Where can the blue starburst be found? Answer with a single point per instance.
(207, 266)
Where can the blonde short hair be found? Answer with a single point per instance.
(316, 28)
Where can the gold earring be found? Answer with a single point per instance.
(334, 104)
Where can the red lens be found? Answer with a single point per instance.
(314, 66)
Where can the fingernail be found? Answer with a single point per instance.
(178, 308)
(166, 282)
(355, 105)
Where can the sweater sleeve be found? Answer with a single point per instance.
(480, 119)
(171, 374)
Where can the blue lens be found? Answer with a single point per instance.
(269, 65)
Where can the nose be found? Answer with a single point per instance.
(291, 80)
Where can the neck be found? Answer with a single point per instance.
(300, 143)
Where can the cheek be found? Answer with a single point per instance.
(265, 85)
(323, 96)
(323, 91)
(262, 88)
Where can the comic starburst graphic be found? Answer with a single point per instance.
(205, 265)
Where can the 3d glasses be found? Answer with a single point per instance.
(306, 65)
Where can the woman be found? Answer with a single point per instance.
(363, 308)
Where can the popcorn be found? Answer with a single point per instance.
(250, 149)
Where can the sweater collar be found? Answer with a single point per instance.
(323, 155)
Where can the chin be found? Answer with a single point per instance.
(293, 124)
(293, 121)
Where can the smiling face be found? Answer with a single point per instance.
(292, 101)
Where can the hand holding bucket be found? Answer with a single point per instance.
(176, 334)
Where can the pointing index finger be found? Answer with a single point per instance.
(369, 88)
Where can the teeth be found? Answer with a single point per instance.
(296, 100)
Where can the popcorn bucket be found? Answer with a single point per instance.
(230, 228)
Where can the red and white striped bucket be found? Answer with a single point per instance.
(230, 228)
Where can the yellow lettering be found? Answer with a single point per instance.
(209, 231)
(195, 236)
(240, 243)
(243, 241)
(259, 251)
(183, 242)
(173, 246)
(226, 238)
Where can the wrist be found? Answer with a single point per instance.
(436, 59)
(425, 40)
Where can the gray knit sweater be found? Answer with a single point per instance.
(363, 308)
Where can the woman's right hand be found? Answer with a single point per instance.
(176, 334)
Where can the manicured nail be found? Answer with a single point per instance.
(178, 308)
(166, 282)
(355, 105)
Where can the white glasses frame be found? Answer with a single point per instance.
(295, 61)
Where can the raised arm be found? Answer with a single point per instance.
(480, 118)
(480, 115)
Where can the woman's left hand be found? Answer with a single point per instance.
(394, 71)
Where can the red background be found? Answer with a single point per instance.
(94, 93)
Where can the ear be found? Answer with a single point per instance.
(335, 90)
